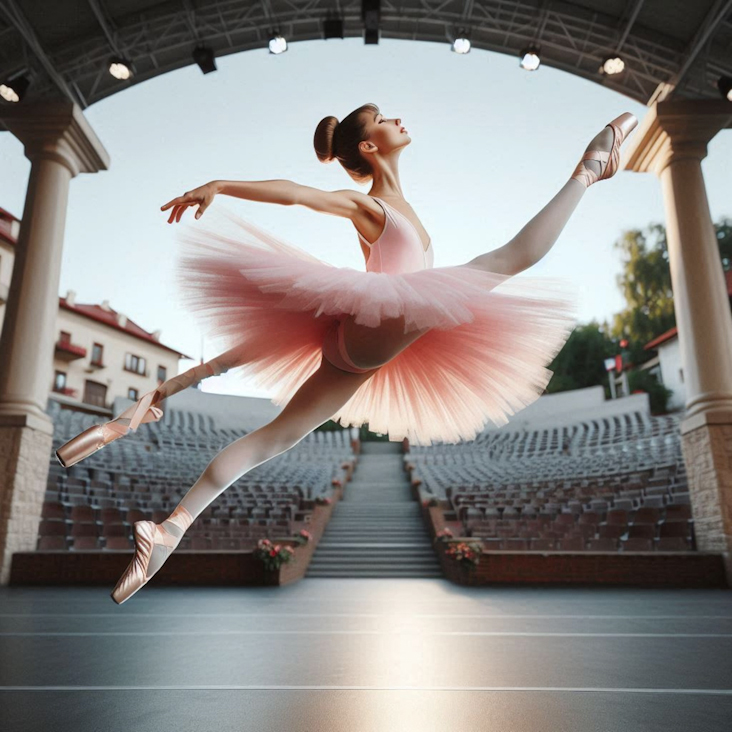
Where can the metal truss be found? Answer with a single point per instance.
(574, 37)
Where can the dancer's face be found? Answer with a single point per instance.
(385, 133)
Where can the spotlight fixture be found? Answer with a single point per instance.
(277, 44)
(461, 44)
(724, 84)
(333, 28)
(530, 58)
(371, 18)
(120, 67)
(204, 57)
(14, 90)
(612, 64)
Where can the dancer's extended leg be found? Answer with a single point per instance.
(538, 236)
(321, 396)
(214, 367)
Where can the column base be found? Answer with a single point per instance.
(24, 462)
(706, 442)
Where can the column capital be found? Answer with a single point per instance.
(675, 129)
(57, 129)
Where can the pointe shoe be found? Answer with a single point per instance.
(99, 435)
(621, 126)
(147, 535)
(96, 437)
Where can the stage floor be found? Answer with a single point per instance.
(366, 655)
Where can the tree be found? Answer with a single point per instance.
(646, 285)
(645, 282)
(581, 362)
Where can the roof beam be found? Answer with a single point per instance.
(105, 23)
(18, 20)
(637, 5)
(711, 22)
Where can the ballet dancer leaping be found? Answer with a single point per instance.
(368, 145)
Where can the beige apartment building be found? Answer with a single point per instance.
(99, 353)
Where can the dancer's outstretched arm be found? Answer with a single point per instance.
(346, 203)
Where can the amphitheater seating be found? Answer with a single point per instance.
(611, 484)
(143, 476)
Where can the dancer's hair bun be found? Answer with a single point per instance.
(324, 139)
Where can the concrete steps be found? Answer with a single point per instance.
(377, 529)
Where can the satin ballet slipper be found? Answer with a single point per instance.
(621, 126)
(99, 435)
(148, 535)
(143, 411)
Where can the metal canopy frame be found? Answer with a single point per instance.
(671, 48)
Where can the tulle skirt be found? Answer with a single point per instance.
(484, 358)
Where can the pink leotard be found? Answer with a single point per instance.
(398, 249)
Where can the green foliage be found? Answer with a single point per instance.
(645, 282)
(646, 285)
(581, 362)
(658, 394)
(329, 426)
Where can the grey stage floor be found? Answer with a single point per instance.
(366, 655)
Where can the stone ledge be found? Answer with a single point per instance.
(623, 569)
(184, 567)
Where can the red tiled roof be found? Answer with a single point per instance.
(109, 317)
(95, 312)
(667, 336)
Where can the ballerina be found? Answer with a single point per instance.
(423, 352)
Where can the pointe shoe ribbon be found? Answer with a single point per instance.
(609, 161)
(147, 535)
(99, 435)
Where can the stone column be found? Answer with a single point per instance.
(60, 144)
(671, 142)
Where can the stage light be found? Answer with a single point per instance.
(612, 65)
(120, 68)
(724, 84)
(333, 28)
(371, 19)
(204, 57)
(277, 44)
(530, 58)
(461, 44)
(14, 91)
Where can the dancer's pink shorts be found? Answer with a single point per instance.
(334, 350)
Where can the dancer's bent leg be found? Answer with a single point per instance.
(320, 397)
(214, 367)
(540, 234)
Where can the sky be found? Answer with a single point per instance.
(491, 145)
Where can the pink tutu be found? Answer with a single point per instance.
(483, 359)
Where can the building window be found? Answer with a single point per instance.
(136, 364)
(162, 372)
(97, 350)
(59, 381)
(132, 393)
(65, 337)
(95, 393)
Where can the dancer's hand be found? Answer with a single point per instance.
(203, 196)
